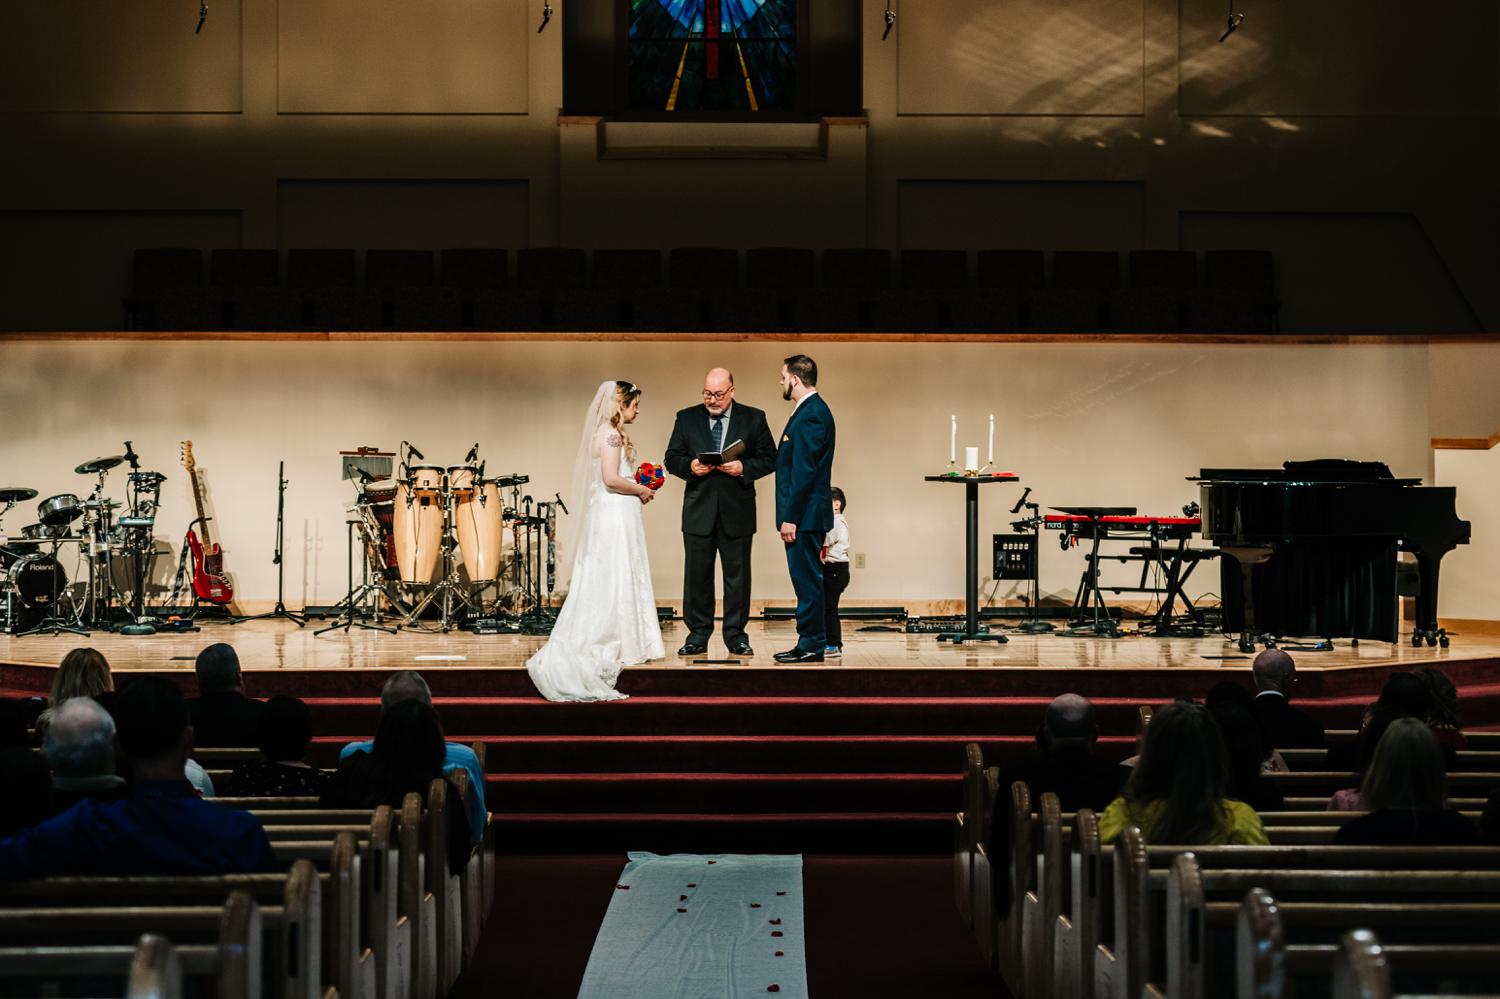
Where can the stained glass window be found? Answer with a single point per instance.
(695, 56)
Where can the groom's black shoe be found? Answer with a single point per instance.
(741, 648)
(691, 648)
(796, 657)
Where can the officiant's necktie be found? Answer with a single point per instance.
(719, 432)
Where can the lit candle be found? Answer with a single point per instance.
(953, 440)
(991, 459)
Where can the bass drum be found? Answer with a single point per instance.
(37, 578)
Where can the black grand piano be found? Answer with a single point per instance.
(1312, 548)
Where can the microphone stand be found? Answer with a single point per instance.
(277, 560)
(1033, 625)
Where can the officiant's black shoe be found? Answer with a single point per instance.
(741, 648)
(692, 649)
(797, 657)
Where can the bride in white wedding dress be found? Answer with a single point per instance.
(608, 620)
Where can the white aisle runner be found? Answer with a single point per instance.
(686, 926)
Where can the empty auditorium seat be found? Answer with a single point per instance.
(935, 270)
(987, 311)
(1086, 270)
(626, 270)
(1011, 270)
(704, 268)
(387, 270)
(507, 309)
(1237, 280)
(307, 269)
(241, 268)
(780, 267)
(1176, 269)
(166, 289)
(345, 309)
(427, 308)
(473, 268)
(859, 268)
(551, 268)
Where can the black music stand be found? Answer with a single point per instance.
(971, 632)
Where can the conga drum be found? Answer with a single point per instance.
(462, 479)
(418, 527)
(480, 530)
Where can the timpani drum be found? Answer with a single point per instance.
(483, 537)
(418, 523)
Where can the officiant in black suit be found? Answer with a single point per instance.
(718, 508)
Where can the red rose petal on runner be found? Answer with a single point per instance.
(682, 910)
(682, 898)
(773, 988)
(755, 905)
(775, 922)
(775, 933)
(713, 861)
(622, 887)
(781, 893)
(692, 885)
(781, 953)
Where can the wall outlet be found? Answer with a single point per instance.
(859, 560)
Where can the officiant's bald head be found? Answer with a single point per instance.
(718, 390)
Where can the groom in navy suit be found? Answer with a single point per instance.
(804, 504)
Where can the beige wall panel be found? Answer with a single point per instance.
(1345, 273)
(402, 214)
(1341, 57)
(395, 57)
(1465, 398)
(1081, 424)
(1040, 215)
(1470, 586)
(39, 285)
(89, 55)
(1023, 57)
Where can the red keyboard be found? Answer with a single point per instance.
(1077, 524)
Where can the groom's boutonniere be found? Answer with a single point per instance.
(785, 439)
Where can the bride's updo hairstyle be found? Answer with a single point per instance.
(625, 394)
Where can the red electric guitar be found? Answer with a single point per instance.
(209, 581)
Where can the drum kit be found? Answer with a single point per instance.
(36, 594)
(446, 541)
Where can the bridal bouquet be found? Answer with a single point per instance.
(651, 476)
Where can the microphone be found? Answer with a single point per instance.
(411, 449)
(473, 453)
(546, 17)
(1234, 22)
(1021, 502)
(132, 457)
(202, 15)
(558, 498)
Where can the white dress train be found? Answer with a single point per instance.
(608, 620)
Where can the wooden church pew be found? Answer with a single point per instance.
(964, 839)
(150, 969)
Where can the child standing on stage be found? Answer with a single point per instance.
(835, 574)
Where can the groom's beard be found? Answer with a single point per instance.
(786, 393)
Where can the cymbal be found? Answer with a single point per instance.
(99, 465)
(16, 494)
(108, 504)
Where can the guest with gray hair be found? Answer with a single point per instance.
(1282, 725)
(409, 685)
(80, 749)
(222, 715)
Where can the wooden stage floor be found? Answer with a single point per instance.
(280, 645)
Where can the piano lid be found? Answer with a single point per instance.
(1338, 471)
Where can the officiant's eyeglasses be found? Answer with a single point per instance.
(716, 396)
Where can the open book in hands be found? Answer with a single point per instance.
(731, 453)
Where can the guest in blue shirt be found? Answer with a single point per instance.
(163, 827)
(408, 685)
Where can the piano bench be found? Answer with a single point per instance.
(1188, 554)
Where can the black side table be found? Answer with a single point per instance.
(971, 632)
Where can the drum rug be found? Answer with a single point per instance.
(689, 926)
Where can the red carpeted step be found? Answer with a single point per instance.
(793, 832)
(706, 793)
(723, 716)
(573, 753)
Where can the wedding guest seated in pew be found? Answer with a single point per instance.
(1442, 709)
(26, 787)
(83, 673)
(80, 749)
(406, 757)
(1246, 756)
(284, 736)
(408, 684)
(1065, 764)
(162, 827)
(1283, 725)
(222, 714)
(1403, 696)
(1178, 792)
(1406, 792)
